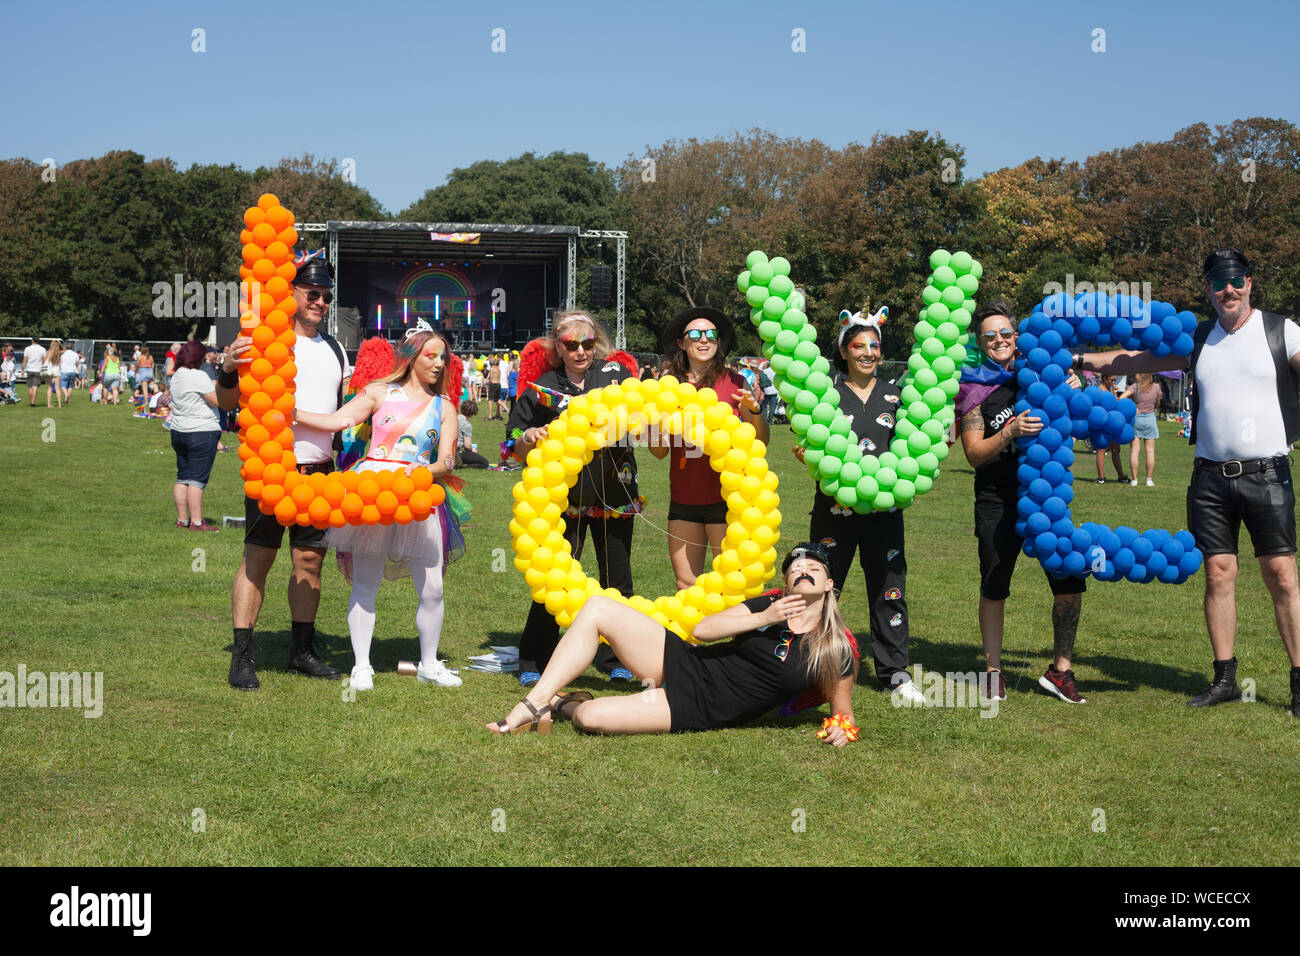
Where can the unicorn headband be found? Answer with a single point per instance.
(855, 320)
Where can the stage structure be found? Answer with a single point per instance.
(488, 286)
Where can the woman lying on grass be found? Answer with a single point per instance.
(784, 644)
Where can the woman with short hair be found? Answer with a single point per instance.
(195, 429)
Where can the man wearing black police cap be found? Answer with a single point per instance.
(322, 376)
(1245, 417)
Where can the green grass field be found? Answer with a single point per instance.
(180, 769)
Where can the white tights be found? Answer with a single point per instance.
(367, 575)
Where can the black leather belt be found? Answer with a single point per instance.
(1235, 469)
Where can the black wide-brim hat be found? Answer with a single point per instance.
(676, 328)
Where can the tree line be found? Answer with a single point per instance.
(79, 255)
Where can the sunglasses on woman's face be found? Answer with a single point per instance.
(1218, 285)
(574, 344)
(695, 335)
(313, 295)
(1007, 334)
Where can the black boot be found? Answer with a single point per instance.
(1295, 692)
(242, 674)
(302, 657)
(1223, 689)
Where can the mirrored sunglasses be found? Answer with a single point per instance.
(695, 335)
(1218, 285)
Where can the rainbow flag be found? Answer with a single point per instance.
(548, 397)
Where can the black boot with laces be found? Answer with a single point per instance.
(302, 656)
(1222, 689)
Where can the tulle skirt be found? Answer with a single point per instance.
(432, 543)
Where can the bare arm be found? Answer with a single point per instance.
(739, 619)
(228, 398)
(357, 410)
(1130, 363)
(979, 449)
(841, 703)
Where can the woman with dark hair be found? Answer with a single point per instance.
(989, 427)
(413, 423)
(785, 643)
(696, 343)
(577, 357)
(876, 537)
(195, 430)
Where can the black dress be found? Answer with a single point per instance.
(731, 683)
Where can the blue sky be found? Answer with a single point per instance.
(412, 90)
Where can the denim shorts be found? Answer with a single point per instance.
(195, 453)
(67, 379)
(144, 375)
(1144, 426)
(112, 381)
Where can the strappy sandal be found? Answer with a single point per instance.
(575, 697)
(536, 725)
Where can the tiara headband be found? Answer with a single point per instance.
(419, 326)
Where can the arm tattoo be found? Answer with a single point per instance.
(972, 420)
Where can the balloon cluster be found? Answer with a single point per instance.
(857, 480)
(1057, 325)
(266, 401)
(603, 417)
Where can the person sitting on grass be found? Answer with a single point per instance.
(785, 642)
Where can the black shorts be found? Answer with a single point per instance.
(698, 514)
(494, 391)
(1265, 500)
(999, 547)
(264, 531)
(686, 710)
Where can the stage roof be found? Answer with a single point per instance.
(377, 241)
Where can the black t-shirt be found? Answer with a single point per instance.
(998, 478)
(611, 476)
(743, 679)
(873, 423)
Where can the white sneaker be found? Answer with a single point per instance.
(907, 694)
(363, 677)
(438, 674)
(1150, 483)
(1133, 482)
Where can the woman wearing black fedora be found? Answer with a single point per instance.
(696, 343)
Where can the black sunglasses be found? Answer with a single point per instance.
(1004, 333)
(313, 295)
(696, 334)
(574, 344)
(1218, 285)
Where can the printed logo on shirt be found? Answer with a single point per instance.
(1001, 418)
(885, 420)
(893, 594)
(891, 554)
(625, 475)
(840, 511)
(892, 399)
(828, 543)
(867, 445)
(896, 620)
(611, 367)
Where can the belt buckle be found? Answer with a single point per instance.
(1227, 464)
